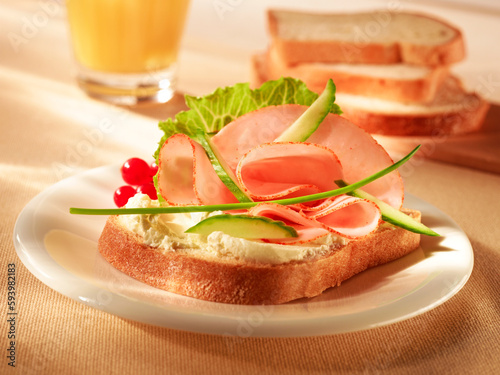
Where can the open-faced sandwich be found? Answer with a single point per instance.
(264, 196)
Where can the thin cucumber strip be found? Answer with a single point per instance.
(222, 169)
(310, 120)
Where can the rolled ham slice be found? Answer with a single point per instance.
(345, 216)
(186, 176)
(348, 216)
(307, 229)
(359, 154)
(283, 170)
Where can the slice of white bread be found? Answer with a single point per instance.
(452, 110)
(397, 82)
(243, 282)
(378, 37)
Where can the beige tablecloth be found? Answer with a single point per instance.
(45, 119)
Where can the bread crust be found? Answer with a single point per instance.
(242, 282)
(295, 52)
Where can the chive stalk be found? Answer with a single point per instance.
(245, 205)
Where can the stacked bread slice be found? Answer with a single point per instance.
(391, 69)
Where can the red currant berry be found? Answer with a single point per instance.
(154, 169)
(135, 171)
(123, 194)
(148, 189)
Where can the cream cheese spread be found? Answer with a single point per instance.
(166, 232)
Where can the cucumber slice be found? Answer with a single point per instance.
(244, 226)
(222, 169)
(392, 215)
(307, 124)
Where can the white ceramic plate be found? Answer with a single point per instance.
(60, 249)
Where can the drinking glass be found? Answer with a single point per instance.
(126, 50)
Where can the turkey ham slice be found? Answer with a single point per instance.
(357, 151)
(345, 216)
(186, 176)
(284, 170)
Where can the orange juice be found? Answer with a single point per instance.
(126, 36)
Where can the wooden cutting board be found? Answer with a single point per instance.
(480, 150)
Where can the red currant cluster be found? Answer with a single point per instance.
(139, 176)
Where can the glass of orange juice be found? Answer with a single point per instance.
(127, 50)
